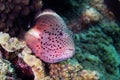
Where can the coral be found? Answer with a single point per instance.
(6, 70)
(89, 75)
(71, 70)
(112, 61)
(15, 15)
(99, 47)
(36, 65)
(112, 30)
(10, 44)
(102, 8)
(86, 16)
(90, 14)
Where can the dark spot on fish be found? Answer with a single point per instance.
(50, 55)
(56, 28)
(56, 55)
(60, 33)
(52, 28)
(51, 46)
(49, 38)
(55, 52)
(54, 45)
(49, 33)
(56, 37)
(38, 39)
(37, 45)
(41, 37)
(52, 41)
(52, 33)
(60, 47)
(43, 43)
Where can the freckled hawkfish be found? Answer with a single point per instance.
(50, 39)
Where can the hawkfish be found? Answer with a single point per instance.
(49, 38)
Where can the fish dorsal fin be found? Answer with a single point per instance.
(45, 12)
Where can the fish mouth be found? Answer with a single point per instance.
(70, 51)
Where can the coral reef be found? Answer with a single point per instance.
(15, 14)
(71, 70)
(37, 66)
(99, 47)
(6, 70)
(64, 70)
(97, 41)
(90, 13)
(112, 30)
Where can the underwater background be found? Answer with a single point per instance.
(95, 25)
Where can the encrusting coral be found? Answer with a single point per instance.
(71, 70)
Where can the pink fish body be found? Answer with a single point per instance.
(50, 39)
